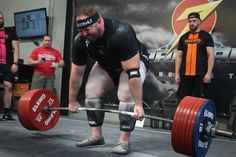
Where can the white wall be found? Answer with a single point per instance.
(56, 10)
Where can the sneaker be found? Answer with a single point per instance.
(7, 116)
(121, 149)
(89, 142)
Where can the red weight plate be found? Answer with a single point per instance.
(45, 120)
(184, 125)
(186, 139)
(176, 128)
(191, 122)
(31, 112)
(23, 109)
(189, 105)
(181, 126)
(201, 102)
(178, 132)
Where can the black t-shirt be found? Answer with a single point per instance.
(193, 46)
(119, 43)
(7, 35)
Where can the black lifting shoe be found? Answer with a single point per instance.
(89, 142)
(7, 116)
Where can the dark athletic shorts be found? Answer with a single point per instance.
(6, 76)
(191, 86)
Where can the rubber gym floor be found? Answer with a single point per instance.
(16, 141)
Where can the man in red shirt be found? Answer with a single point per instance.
(45, 59)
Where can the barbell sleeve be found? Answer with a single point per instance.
(221, 133)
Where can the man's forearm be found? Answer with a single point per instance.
(33, 62)
(178, 61)
(211, 61)
(16, 56)
(15, 45)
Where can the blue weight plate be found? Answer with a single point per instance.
(206, 114)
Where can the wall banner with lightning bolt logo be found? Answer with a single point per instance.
(159, 25)
(207, 13)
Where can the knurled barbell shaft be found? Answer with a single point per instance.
(111, 111)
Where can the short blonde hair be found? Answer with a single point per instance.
(86, 10)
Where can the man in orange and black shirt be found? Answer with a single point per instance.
(195, 59)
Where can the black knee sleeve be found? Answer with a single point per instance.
(127, 123)
(95, 118)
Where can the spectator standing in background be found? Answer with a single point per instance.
(45, 59)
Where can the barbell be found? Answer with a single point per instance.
(193, 125)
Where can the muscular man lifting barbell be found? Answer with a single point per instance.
(121, 60)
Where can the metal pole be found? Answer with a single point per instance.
(221, 133)
(107, 110)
